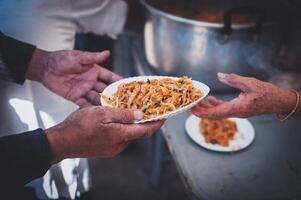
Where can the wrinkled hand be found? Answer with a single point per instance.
(74, 75)
(97, 131)
(256, 98)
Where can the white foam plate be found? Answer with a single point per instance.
(242, 139)
(111, 89)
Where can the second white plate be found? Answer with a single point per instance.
(242, 139)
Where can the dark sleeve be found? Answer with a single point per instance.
(14, 59)
(24, 157)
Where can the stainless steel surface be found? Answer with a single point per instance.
(178, 46)
(267, 170)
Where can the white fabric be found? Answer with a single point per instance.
(52, 25)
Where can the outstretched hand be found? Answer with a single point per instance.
(74, 75)
(256, 98)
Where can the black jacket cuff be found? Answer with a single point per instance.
(25, 157)
(16, 56)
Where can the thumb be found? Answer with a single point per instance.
(235, 81)
(214, 101)
(124, 116)
(221, 111)
(89, 58)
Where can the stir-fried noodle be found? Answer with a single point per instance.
(155, 97)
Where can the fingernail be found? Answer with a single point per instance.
(138, 115)
(103, 52)
(221, 75)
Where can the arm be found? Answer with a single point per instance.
(74, 75)
(90, 132)
(256, 98)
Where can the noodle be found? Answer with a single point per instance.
(155, 97)
(218, 131)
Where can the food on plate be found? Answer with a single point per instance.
(218, 131)
(156, 96)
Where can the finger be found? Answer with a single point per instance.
(99, 87)
(82, 103)
(140, 131)
(123, 116)
(93, 97)
(81, 68)
(204, 104)
(87, 58)
(79, 91)
(235, 81)
(221, 111)
(214, 101)
(107, 76)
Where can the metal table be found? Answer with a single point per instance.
(269, 169)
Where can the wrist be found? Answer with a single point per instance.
(37, 65)
(57, 143)
(287, 101)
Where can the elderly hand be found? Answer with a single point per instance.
(256, 98)
(74, 75)
(97, 131)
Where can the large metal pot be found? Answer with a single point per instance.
(178, 46)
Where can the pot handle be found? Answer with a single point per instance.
(249, 10)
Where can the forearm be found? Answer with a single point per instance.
(62, 142)
(58, 143)
(24, 156)
(37, 65)
(286, 102)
